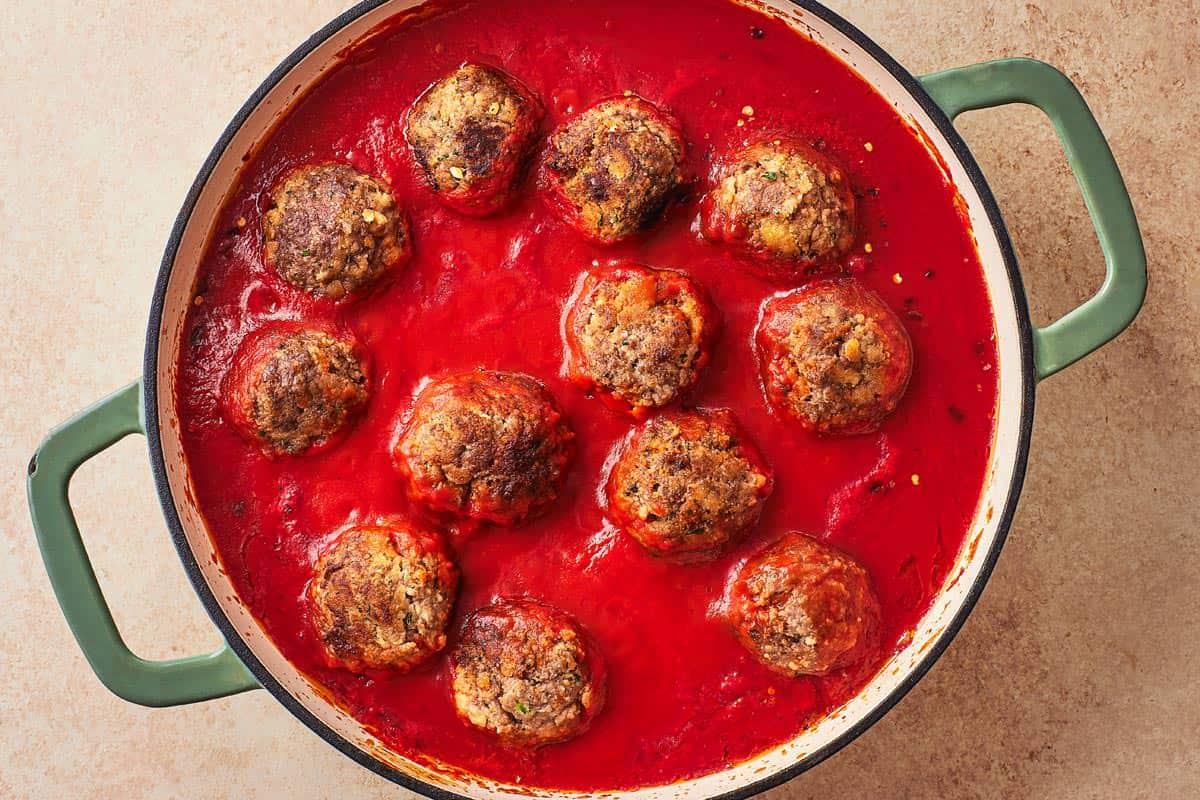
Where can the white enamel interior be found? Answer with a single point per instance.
(935, 623)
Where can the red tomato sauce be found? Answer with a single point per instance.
(684, 698)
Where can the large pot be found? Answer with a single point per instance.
(251, 660)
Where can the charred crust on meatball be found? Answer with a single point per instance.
(612, 169)
(333, 231)
(381, 597)
(688, 484)
(472, 133)
(526, 672)
(802, 607)
(639, 336)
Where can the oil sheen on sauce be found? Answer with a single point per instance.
(684, 698)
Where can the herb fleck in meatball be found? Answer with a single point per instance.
(782, 200)
(688, 483)
(526, 672)
(296, 390)
(334, 231)
(381, 597)
(612, 169)
(639, 335)
(485, 446)
(804, 608)
(472, 133)
(833, 356)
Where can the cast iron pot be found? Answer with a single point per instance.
(250, 660)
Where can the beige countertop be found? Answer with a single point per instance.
(1075, 677)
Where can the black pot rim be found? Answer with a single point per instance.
(229, 631)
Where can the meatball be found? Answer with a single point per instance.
(381, 597)
(295, 390)
(639, 335)
(526, 672)
(333, 231)
(804, 608)
(688, 483)
(485, 446)
(833, 356)
(612, 169)
(472, 133)
(782, 200)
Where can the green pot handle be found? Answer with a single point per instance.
(1113, 307)
(151, 683)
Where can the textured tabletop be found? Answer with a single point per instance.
(1074, 678)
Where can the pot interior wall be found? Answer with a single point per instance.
(938, 622)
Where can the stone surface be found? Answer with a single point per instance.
(1074, 677)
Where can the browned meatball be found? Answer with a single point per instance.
(804, 608)
(783, 200)
(526, 672)
(293, 391)
(381, 597)
(333, 231)
(688, 483)
(610, 170)
(833, 356)
(472, 133)
(639, 335)
(485, 446)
